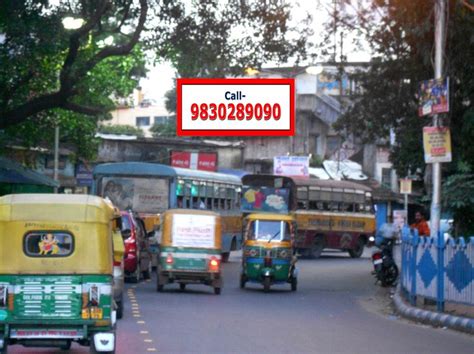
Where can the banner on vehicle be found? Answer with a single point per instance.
(265, 199)
(193, 231)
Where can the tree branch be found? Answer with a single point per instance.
(87, 110)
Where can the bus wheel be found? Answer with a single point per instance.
(225, 257)
(357, 251)
(317, 247)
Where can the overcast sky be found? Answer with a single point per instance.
(160, 78)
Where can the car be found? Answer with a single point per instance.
(118, 274)
(137, 254)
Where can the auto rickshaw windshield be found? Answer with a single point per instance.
(269, 230)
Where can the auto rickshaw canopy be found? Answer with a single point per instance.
(88, 222)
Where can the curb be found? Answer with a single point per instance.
(437, 319)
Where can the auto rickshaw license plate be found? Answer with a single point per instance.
(46, 333)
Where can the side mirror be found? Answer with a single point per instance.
(126, 233)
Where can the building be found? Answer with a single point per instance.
(139, 112)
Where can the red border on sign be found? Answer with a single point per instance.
(241, 81)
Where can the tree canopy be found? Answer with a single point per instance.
(400, 34)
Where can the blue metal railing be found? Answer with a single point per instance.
(437, 269)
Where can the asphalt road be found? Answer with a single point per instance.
(337, 309)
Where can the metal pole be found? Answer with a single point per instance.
(440, 10)
(56, 155)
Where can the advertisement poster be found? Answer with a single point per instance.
(204, 161)
(193, 230)
(433, 97)
(291, 166)
(399, 219)
(139, 194)
(405, 186)
(437, 144)
(265, 199)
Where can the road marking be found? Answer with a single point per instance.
(151, 349)
(137, 316)
(141, 322)
(143, 332)
(148, 340)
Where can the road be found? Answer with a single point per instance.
(337, 309)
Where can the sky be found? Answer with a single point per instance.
(160, 77)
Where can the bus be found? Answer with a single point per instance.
(154, 188)
(329, 214)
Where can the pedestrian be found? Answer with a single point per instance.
(421, 225)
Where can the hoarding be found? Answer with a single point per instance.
(405, 186)
(265, 199)
(437, 144)
(204, 161)
(139, 194)
(235, 107)
(193, 231)
(433, 97)
(292, 166)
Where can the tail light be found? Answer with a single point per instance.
(117, 264)
(377, 256)
(267, 261)
(213, 264)
(169, 259)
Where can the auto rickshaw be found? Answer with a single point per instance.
(268, 251)
(190, 249)
(56, 271)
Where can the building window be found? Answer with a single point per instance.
(386, 178)
(161, 119)
(143, 121)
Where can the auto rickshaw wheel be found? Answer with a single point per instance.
(66, 346)
(243, 280)
(225, 257)
(266, 284)
(294, 283)
(92, 349)
(119, 309)
(182, 286)
(217, 291)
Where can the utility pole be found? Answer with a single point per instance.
(440, 11)
(56, 156)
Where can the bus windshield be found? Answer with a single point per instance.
(269, 230)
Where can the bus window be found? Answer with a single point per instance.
(209, 203)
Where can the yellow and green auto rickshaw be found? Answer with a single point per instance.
(190, 249)
(268, 251)
(56, 271)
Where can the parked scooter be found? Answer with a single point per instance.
(385, 268)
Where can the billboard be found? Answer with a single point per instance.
(437, 144)
(265, 199)
(235, 107)
(291, 166)
(205, 161)
(433, 97)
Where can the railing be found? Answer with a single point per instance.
(437, 269)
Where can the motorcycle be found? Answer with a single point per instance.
(385, 268)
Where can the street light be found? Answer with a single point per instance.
(69, 23)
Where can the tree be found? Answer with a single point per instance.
(400, 35)
(50, 67)
(167, 129)
(121, 130)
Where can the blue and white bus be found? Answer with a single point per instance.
(154, 188)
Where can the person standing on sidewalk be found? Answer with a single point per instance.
(421, 225)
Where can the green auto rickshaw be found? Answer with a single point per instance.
(56, 271)
(190, 249)
(268, 251)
